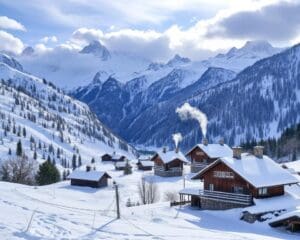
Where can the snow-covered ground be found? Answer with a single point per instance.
(61, 211)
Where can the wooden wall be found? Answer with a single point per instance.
(175, 163)
(198, 155)
(85, 183)
(227, 184)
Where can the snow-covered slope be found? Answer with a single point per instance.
(61, 211)
(51, 119)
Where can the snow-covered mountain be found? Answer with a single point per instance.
(260, 102)
(43, 117)
(127, 105)
(97, 49)
(70, 68)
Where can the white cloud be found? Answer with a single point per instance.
(8, 23)
(47, 39)
(10, 43)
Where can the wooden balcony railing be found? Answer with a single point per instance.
(238, 198)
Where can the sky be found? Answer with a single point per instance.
(155, 29)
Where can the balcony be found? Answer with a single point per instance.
(226, 197)
(197, 166)
(171, 172)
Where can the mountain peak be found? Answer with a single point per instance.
(258, 45)
(28, 51)
(177, 59)
(97, 49)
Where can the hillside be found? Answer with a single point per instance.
(48, 122)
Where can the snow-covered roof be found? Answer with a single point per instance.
(169, 156)
(120, 164)
(190, 191)
(259, 172)
(147, 163)
(90, 175)
(295, 213)
(215, 150)
(295, 165)
(117, 156)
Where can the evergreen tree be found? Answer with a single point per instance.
(79, 161)
(19, 149)
(47, 174)
(34, 155)
(93, 160)
(127, 169)
(24, 132)
(9, 151)
(74, 162)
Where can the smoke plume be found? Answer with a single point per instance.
(186, 111)
(177, 137)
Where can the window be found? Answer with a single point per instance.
(200, 153)
(221, 174)
(210, 187)
(263, 191)
(238, 189)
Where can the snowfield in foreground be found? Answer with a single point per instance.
(61, 211)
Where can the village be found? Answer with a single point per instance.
(213, 177)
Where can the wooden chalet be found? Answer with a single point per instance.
(114, 157)
(231, 182)
(168, 163)
(204, 154)
(118, 158)
(145, 164)
(121, 165)
(290, 220)
(89, 178)
(106, 157)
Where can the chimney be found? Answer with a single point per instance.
(237, 152)
(205, 141)
(221, 141)
(258, 151)
(164, 149)
(177, 149)
(88, 168)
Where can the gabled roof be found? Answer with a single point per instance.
(285, 216)
(146, 163)
(121, 164)
(214, 150)
(259, 172)
(169, 156)
(90, 175)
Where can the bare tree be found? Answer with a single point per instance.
(18, 170)
(148, 191)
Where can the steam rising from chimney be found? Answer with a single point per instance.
(177, 137)
(186, 111)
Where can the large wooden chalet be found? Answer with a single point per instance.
(168, 163)
(231, 182)
(204, 154)
(89, 178)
